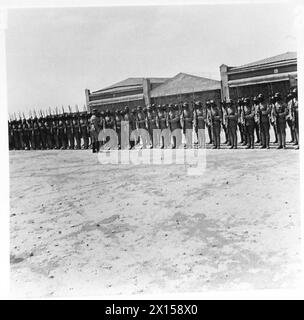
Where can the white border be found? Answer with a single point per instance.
(4, 200)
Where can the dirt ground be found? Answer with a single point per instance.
(82, 228)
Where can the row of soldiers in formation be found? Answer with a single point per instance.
(173, 121)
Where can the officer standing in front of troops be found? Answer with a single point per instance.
(289, 118)
(280, 112)
(264, 113)
(249, 113)
(199, 123)
(295, 116)
(209, 122)
(216, 118)
(232, 117)
(256, 118)
(187, 124)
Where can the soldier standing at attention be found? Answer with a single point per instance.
(256, 118)
(163, 126)
(141, 125)
(280, 111)
(37, 136)
(187, 124)
(295, 117)
(84, 132)
(69, 133)
(200, 118)
(117, 126)
(225, 122)
(125, 128)
(152, 124)
(94, 130)
(48, 139)
(42, 130)
(290, 123)
(273, 118)
(32, 136)
(240, 123)
(216, 118)
(232, 115)
(10, 136)
(61, 134)
(249, 114)
(20, 136)
(209, 122)
(54, 132)
(264, 111)
(133, 128)
(26, 134)
(174, 120)
(76, 132)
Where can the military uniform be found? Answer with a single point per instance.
(232, 117)
(249, 113)
(273, 119)
(175, 126)
(281, 111)
(152, 125)
(209, 121)
(164, 138)
(256, 119)
(240, 122)
(187, 121)
(141, 126)
(94, 131)
(216, 119)
(289, 119)
(200, 118)
(264, 111)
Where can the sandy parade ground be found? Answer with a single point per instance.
(80, 227)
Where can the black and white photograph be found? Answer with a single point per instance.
(152, 149)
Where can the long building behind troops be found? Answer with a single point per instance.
(267, 76)
(135, 92)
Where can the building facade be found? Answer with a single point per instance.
(267, 76)
(134, 92)
(131, 92)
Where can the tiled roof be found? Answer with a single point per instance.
(132, 82)
(278, 58)
(185, 83)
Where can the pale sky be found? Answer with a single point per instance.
(54, 54)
